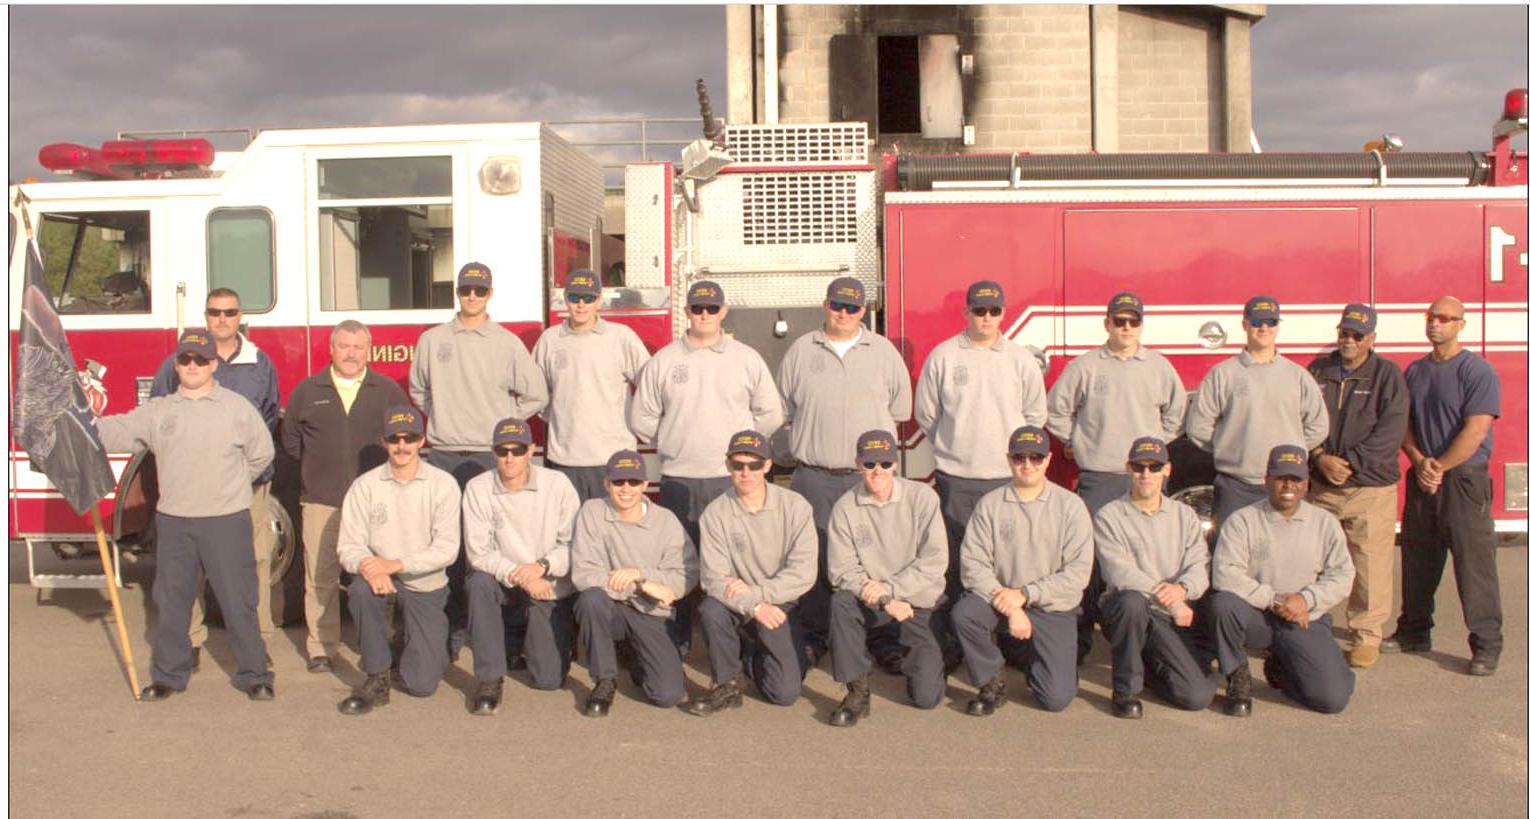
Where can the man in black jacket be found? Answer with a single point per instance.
(1356, 473)
(333, 427)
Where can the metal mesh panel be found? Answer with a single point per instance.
(799, 208)
(836, 143)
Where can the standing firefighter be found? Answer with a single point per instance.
(210, 444)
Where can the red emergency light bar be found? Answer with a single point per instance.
(123, 158)
(1514, 104)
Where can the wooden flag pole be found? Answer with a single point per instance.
(111, 587)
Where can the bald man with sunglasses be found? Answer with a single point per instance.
(1103, 400)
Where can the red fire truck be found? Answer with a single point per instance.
(316, 226)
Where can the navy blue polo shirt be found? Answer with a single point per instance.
(1443, 394)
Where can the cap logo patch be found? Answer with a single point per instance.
(581, 281)
(877, 443)
(704, 291)
(1028, 437)
(1289, 458)
(985, 293)
(1146, 447)
(1356, 315)
(746, 440)
(1126, 300)
(401, 418)
(511, 429)
(194, 338)
(847, 292)
(628, 463)
(1263, 305)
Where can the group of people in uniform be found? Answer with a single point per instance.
(473, 544)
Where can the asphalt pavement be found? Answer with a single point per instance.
(1419, 738)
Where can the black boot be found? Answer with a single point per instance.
(599, 702)
(486, 698)
(372, 694)
(1240, 693)
(990, 697)
(1125, 706)
(855, 706)
(720, 698)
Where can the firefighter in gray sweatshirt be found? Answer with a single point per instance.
(1151, 551)
(1250, 403)
(466, 375)
(589, 364)
(837, 382)
(1026, 560)
(398, 533)
(1280, 565)
(887, 564)
(632, 561)
(1101, 403)
(691, 396)
(210, 445)
(975, 388)
(517, 524)
(759, 555)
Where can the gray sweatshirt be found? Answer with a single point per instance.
(1137, 550)
(657, 546)
(1101, 403)
(1262, 553)
(465, 381)
(901, 543)
(1043, 547)
(690, 400)
(774, 550)
(503, 529)
(969, 399)
(413, 521)
(588, 375)
(208, 450)
(830, 401)
(1244, 409)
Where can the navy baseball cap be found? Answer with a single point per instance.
(475, 274)
(876, 445)
(847, 290)
(1124, 302)
(583, 282)
(1360, 318)
(1029, 440)
(199, 341)
(626, 464)
(402, 419)
(985, 293)
(511, 431)
(749, 442)
(1147, 450)
(1287, 461)
(704, 292)
(1262, 307)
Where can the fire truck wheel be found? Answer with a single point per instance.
(286, 569)
(1197, 498)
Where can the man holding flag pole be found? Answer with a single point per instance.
(53, 422)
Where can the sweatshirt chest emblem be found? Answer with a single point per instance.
(740, 542)
(379, 514)
(1100, 386)
(1240, 388)
(560, 360)
(680, 374)
(817, 365)
(863, 534)
(168, 425)
(497, 520)
(960, 377)
(444, 352)
(1007, 531)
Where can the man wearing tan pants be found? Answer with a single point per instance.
(1356, 472)
(334, 428)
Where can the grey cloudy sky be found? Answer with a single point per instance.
(1325, 78)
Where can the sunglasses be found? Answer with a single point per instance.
(986, 311)
(1441, 318)
(514, 449)
(709, 309)
(1126, 322)
(735, 465)
(188, 359)
(473, 290)
(842, 307)
(404, 438)
(1351, 335)
(870, 465)
(629, 482)
(1263, 322)
(1154, 468)
(580, 298)
(1027, 457)
(213, 312)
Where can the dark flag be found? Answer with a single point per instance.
(53, 420)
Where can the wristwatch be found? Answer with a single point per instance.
(883, 601)
(546, 567)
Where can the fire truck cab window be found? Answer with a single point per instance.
(240, 256)
(385, 233)
(97, 262)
